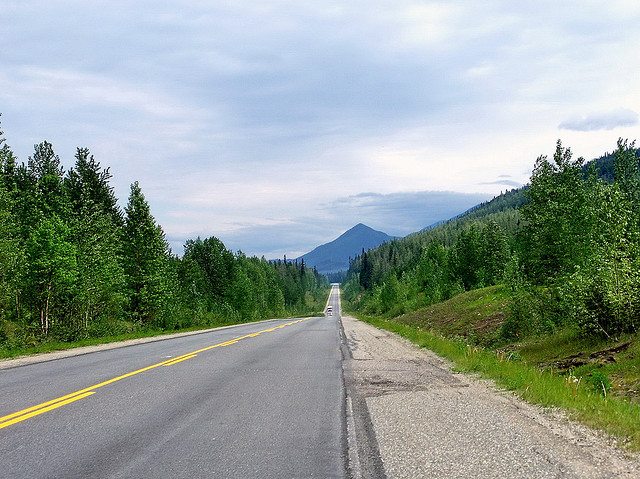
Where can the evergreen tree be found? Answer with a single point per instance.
(46, 172)
(97, 231)
(88, 183)
(496, 252)
(11, 253)
(366, 271)
(145, 255)
(215, 262)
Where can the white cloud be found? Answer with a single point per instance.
(261, 112)
(608, 120)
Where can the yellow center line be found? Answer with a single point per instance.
(179, 360)
(45, 409)
(32, 411)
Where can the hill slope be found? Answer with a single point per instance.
(334, 256)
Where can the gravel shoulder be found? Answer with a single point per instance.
(428, 421)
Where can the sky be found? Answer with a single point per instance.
(277, 125)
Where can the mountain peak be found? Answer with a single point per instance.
(334, 256)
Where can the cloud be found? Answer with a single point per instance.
(608, 120)
(512, 183)
(262, 121)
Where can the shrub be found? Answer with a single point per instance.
(599, 382)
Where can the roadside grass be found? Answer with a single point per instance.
(48, 346)
(615, 415)
(51, 345)
(476, 315)
(566, 352)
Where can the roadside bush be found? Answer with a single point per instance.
(603, 301)
(532, 310)
(599, 382)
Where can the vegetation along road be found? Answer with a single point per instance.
(313, 397)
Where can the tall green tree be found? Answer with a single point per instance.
(496, 252)
(366, 271)
(100, 289)
(87, 183)
(11, 251)
(216, 264)
(96, 223)
(557, 217)
(145, 256)
(45, 169)
(51, 271)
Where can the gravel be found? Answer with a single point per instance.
(431, 422)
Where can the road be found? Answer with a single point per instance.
(258, 400)
(325, 397)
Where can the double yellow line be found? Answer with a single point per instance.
(24, 414)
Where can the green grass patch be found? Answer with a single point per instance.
(544, 387)
(475, 315)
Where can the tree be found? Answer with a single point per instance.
(469, 257)
(88, 184)
(11, 254)
(100, 289)
(145, 253)
(46, 172)
(496, 252)
(215, 262)
(557, 217)
(51, 269)
(366, 271)
(97, 224)
(627, 173)
(390, 294)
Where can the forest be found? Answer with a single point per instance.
(567, 247)
(75, 265)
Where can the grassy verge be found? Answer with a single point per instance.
(544, 386)
(48, 346)
(474, 315)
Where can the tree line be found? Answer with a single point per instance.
(73, 264)
(567, 246)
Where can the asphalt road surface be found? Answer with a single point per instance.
(258, 400)
(325, 397)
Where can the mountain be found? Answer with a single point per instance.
(334, 256)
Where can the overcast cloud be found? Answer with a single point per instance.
(602, 121)
(275, 125)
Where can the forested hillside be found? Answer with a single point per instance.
(74, 265)
(567, 246)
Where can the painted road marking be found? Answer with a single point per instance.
(46, 409)
(41, 408)
(175, 361)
